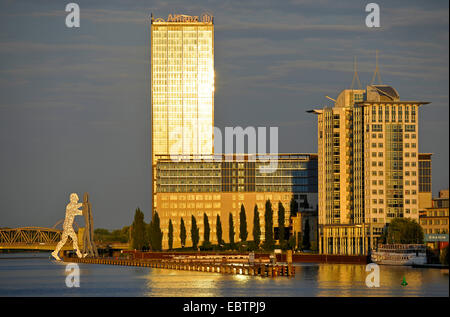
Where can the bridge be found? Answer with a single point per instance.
(31, 238)
(44, 239)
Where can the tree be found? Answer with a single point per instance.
(243, 224)
(231, 229)
(404, 231)
(139, 240)
(170, 234)
(256, 227)
(445, 256)
(292, 242)
(299, 240)
(293, 207)
(182, 233)
(156, 234)
(206, 229)
(305, 241)
(118, 235)
(268, 226)
(194, 233)
(281, 224)
(219, 230)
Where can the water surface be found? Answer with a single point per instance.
(35, 274)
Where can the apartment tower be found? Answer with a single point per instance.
(368, 167)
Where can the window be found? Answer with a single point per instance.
(377, 128)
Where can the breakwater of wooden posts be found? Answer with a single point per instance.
(259, 257)
(257, 269)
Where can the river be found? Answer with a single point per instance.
(35, 274)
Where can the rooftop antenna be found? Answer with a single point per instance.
(355, 75)
(377, 71)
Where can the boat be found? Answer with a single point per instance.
(400, 254)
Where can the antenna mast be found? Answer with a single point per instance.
(377, 71)
(355, 75)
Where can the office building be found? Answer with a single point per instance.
(368, 167)
(182, 87)
(435, 221)
(220, 184)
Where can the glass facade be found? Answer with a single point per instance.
(424, 174)
(292, 175)
(182, 72)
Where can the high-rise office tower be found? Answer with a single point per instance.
(182, 85)
(368, 167)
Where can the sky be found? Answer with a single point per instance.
(75, 102)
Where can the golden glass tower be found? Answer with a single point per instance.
(182, 74)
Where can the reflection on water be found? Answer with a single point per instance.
(349, 280)
(36, 275)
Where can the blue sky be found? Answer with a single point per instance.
(75, 103)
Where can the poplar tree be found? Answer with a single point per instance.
(138, 233)
(293, 207)
(182, 233)
(305, 242)
(170, 235)
(231, 229)
(243, 224)
(219, 230)
(156, 234)
(206, 230)
(268, 226)
(256, 227)
(194, 233)
(281, 223)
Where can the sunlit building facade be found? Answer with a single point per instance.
(435, 221)
(368, 167)
(182, 87)
(219, 187)
(425, 188)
